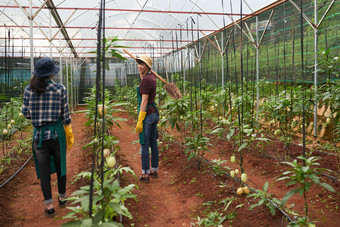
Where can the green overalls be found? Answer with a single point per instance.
(139, 99)
(58, 128)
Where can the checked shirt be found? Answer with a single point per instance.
(47, 108)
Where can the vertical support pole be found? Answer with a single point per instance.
(50, 29)
(71, 83)
(257, 71)
(222, 48)
(61, 61)
(75, 66)
(316, 69)
(31, 38)
(77, 84)
(67, 87)
(184, 78)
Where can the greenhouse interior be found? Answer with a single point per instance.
(169, 113)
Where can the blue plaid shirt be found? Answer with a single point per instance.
(47, 108)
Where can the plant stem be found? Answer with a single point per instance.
(305, 198)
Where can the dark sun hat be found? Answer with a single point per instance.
(45, 67)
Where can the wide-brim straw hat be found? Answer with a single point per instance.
(45, 67)
(146, 59)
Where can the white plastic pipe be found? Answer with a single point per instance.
(316, 69)
(222, 47)
(50, 28)
(257, 70)
(31, 38)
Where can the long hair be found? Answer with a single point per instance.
(39, 84)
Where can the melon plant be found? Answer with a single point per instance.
(111, 162)
(106, 152)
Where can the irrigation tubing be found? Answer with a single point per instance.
(3, 184)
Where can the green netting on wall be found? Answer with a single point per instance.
(279, 52)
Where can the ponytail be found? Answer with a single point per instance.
(39, 84)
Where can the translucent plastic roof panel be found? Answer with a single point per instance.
(142, 25)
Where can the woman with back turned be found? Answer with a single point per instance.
(45, 104)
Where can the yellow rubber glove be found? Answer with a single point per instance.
(69, 136)
(141, 117)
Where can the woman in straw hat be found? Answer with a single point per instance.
(148, 118)
(45, 104)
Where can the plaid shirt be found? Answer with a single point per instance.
(46, 108)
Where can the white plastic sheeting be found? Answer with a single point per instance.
(143, 25)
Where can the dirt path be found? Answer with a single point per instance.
(159, 203)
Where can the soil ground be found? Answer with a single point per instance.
(178, 196)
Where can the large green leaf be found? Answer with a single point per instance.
(327, 186)
(217, 131)
(271, 208)
(98, 217)
(86, 222)
(72, 224)
(265, 186)
(243, 146)
(288, 195)
(111, 224)
(314, 178)
(231, 133)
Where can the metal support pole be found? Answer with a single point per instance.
(316, 69)
(257, 70)
(77, 84)
(222, 58)
(75, 67)
(61, 62)
(71, 87)
(31, 38)
(184, 77)
(50, 22)
(67, 87)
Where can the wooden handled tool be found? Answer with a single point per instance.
(158, 76)
(171, 88)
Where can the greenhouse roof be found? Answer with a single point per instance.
(144, 26)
